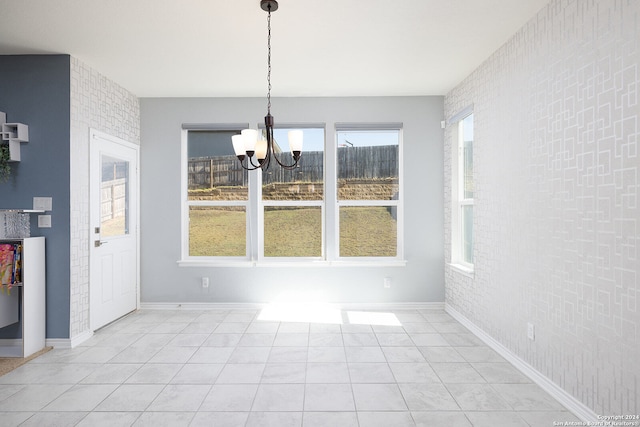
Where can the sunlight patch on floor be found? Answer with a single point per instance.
(324, 313)
(292, 312)
(372, 318)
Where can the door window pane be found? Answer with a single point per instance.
(368, 164)
(114, 197)
(217, 231)
(368, 231)
(293, 231)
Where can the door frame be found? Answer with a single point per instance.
(93, 135)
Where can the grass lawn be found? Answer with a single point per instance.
(217, 232)
(290, 232)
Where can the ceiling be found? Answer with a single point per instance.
(194, 48)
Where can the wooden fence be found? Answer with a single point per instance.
(377, 162)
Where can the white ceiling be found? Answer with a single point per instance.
(157, 48)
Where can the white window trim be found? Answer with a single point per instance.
(398, 203)
(199, 261)
(330, 215)
(457, 189)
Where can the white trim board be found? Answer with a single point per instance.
(67, 343)
(344, 306)
(578, 408)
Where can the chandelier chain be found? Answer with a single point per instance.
(269, 61)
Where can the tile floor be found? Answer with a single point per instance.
(231, 368)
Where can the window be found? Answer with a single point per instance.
(368, 192)
(293, 200)
(462, 197)
(349, 180)
(217, 196)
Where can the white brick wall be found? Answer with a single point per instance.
(99, 103)
(557, 220)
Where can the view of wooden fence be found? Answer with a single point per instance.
(374, 162)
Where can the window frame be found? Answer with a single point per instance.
(397, 203)
(329, 205)
(186, 203)
(458, 199)
(263, 204)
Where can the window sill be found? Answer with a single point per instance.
(307, 263)
(463, 269)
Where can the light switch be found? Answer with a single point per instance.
(42, 203)
(44, 221)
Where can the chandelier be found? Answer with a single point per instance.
(247, 145)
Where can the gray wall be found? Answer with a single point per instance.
(556, 219)
(164, 281)
(34, 90)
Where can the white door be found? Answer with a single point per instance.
(113, 288)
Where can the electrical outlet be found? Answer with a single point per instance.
(205, 283)
(531, 331)
(387, 282)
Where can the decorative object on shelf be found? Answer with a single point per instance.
(10, 266)
(5, 167)
(15, 223)
(6, 266)
(247, 144)
(11, 135)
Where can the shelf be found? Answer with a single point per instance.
(13, 134)
(21, 211)
(27, 304)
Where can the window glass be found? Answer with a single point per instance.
(462, 216)
(293, 231)
(214, 172)
(217, 231)
(306, 180)
(368, 231)
(467, 235)
(368, 164)
(114, 197)
(368, 170)
(467, 156)
(216, 185)
(285, 216)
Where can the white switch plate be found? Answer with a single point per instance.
(531, 331)
(44, 221)
(42, 203)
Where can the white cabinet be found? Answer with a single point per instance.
(28, 300)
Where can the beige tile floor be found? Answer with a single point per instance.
(234, 368)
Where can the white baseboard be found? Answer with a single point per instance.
(11, 347)
(63, 343)
(66, 343)
(578, 408)
(344, 306)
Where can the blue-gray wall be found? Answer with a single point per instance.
(34, 90)
(421, 280)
